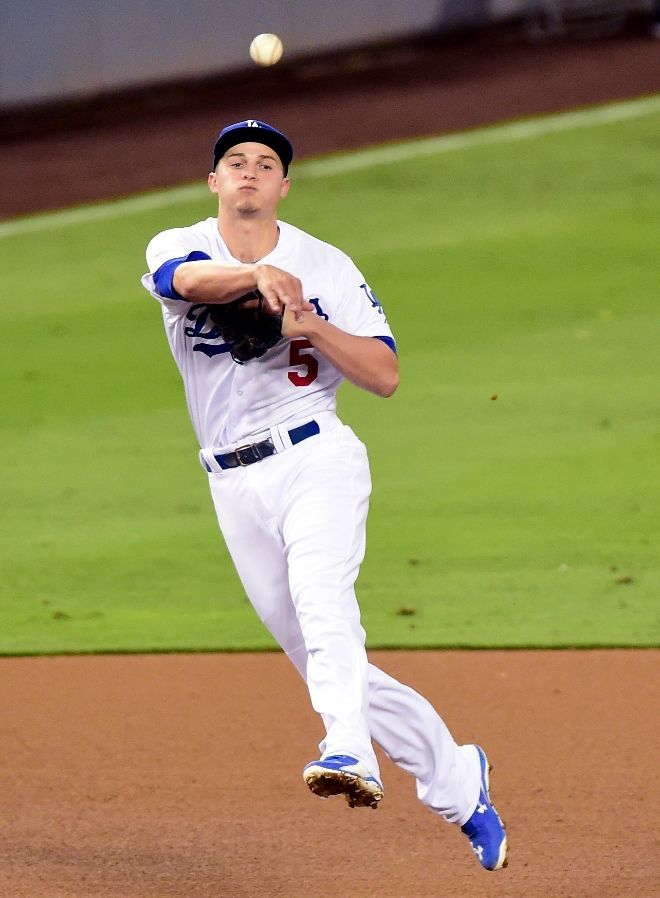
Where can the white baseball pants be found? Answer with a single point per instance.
(295, 527)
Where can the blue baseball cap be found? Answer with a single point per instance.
(254, 131)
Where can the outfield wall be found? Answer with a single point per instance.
(55, 50)
(68, 49)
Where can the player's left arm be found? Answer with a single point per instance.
(366, 361)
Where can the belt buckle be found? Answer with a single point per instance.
(250, 460)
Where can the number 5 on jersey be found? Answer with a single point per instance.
(298, 357)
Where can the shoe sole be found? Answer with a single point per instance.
(502, 858)
(357, 792)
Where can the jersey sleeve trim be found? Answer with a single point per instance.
(164, 276)
(388, 341)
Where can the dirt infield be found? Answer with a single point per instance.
(157, 776)
(152, 776)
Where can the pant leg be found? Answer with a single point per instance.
(257, 550)
(294, 526)
(413, 735)
(323, 524)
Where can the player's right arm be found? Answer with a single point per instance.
(214, 282)
(181, 268)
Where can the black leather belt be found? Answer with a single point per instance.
(253, 452)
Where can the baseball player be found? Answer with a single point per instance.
(290, 482)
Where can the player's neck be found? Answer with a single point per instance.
(248, 241)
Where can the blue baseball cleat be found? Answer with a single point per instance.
(343, 775)
(484, 829)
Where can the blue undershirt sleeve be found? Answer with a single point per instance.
(164, 277)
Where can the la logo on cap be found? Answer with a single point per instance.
(242, 131)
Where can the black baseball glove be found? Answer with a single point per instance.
(245, 325)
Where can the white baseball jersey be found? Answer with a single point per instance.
(229, 402)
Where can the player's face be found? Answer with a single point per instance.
(250, 180)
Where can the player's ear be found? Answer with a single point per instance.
(285, 187)
(213, 182)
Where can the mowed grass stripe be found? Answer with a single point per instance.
(344, 163)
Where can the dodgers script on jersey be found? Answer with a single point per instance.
(230, 403)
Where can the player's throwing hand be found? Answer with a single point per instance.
(280, 290)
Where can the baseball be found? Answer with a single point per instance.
(266, 49)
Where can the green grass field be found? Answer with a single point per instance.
(525, 270)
